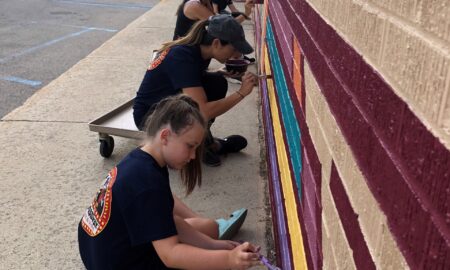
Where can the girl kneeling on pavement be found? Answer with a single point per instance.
(131, 223)
(181, 67)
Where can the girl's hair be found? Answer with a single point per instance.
(179, 112)
(197, 35)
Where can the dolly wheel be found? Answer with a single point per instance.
(106, 146)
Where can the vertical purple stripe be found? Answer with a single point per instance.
(278, 201)
(349, 220)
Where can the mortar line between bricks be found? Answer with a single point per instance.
(42, 121)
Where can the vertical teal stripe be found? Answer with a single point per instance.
(288, 116)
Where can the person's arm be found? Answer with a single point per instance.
(248, 10)
(233, 8)
(197, 11)
(189, 235)
(213, 109)
(182, 256)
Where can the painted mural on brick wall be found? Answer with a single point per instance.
(359, 178)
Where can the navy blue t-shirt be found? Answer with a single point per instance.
(176, 68)
(132, 208)
(222, 4)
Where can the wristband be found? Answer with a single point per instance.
(240, 94)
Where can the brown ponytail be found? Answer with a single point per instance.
(197, 35)
(179, 112)
(193, 37)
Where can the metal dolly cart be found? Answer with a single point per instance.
(118, 122)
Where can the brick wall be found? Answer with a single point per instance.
(357, 122)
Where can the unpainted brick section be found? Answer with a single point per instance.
(329, 259)
(418, 71)
(431, 16)
(434, 17)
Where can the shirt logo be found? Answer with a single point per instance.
(158, 60)
(96, 217)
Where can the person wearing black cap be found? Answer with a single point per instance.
(181, 65)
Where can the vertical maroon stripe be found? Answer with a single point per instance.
(283, 31)
(312, 212)
(349, 220)
(393, 149)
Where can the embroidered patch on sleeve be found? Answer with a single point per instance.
(158, 60)
(96, 217)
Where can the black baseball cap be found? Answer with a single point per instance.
(226, 28)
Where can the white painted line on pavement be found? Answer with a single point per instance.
(111, 5)
(77, 26)
(43, 45)
(21, 81)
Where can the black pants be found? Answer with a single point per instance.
(215, 86)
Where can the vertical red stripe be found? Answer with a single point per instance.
(349, 220)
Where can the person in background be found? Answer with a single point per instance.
(220, 6)
(191, 11)
(132, 222)
(181, 67)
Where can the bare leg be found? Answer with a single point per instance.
(204, 225)
(188, 234)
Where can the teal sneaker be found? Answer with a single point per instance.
(229, 228)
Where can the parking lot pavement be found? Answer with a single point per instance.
(41, 39)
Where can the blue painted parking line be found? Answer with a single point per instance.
(21, 81)
(101, 29)
(43, 45)
(111, 5)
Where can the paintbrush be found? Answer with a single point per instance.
(267, 264)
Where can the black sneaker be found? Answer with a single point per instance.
(231, 144)
(211, 158)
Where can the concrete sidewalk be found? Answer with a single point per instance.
(51, 168)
